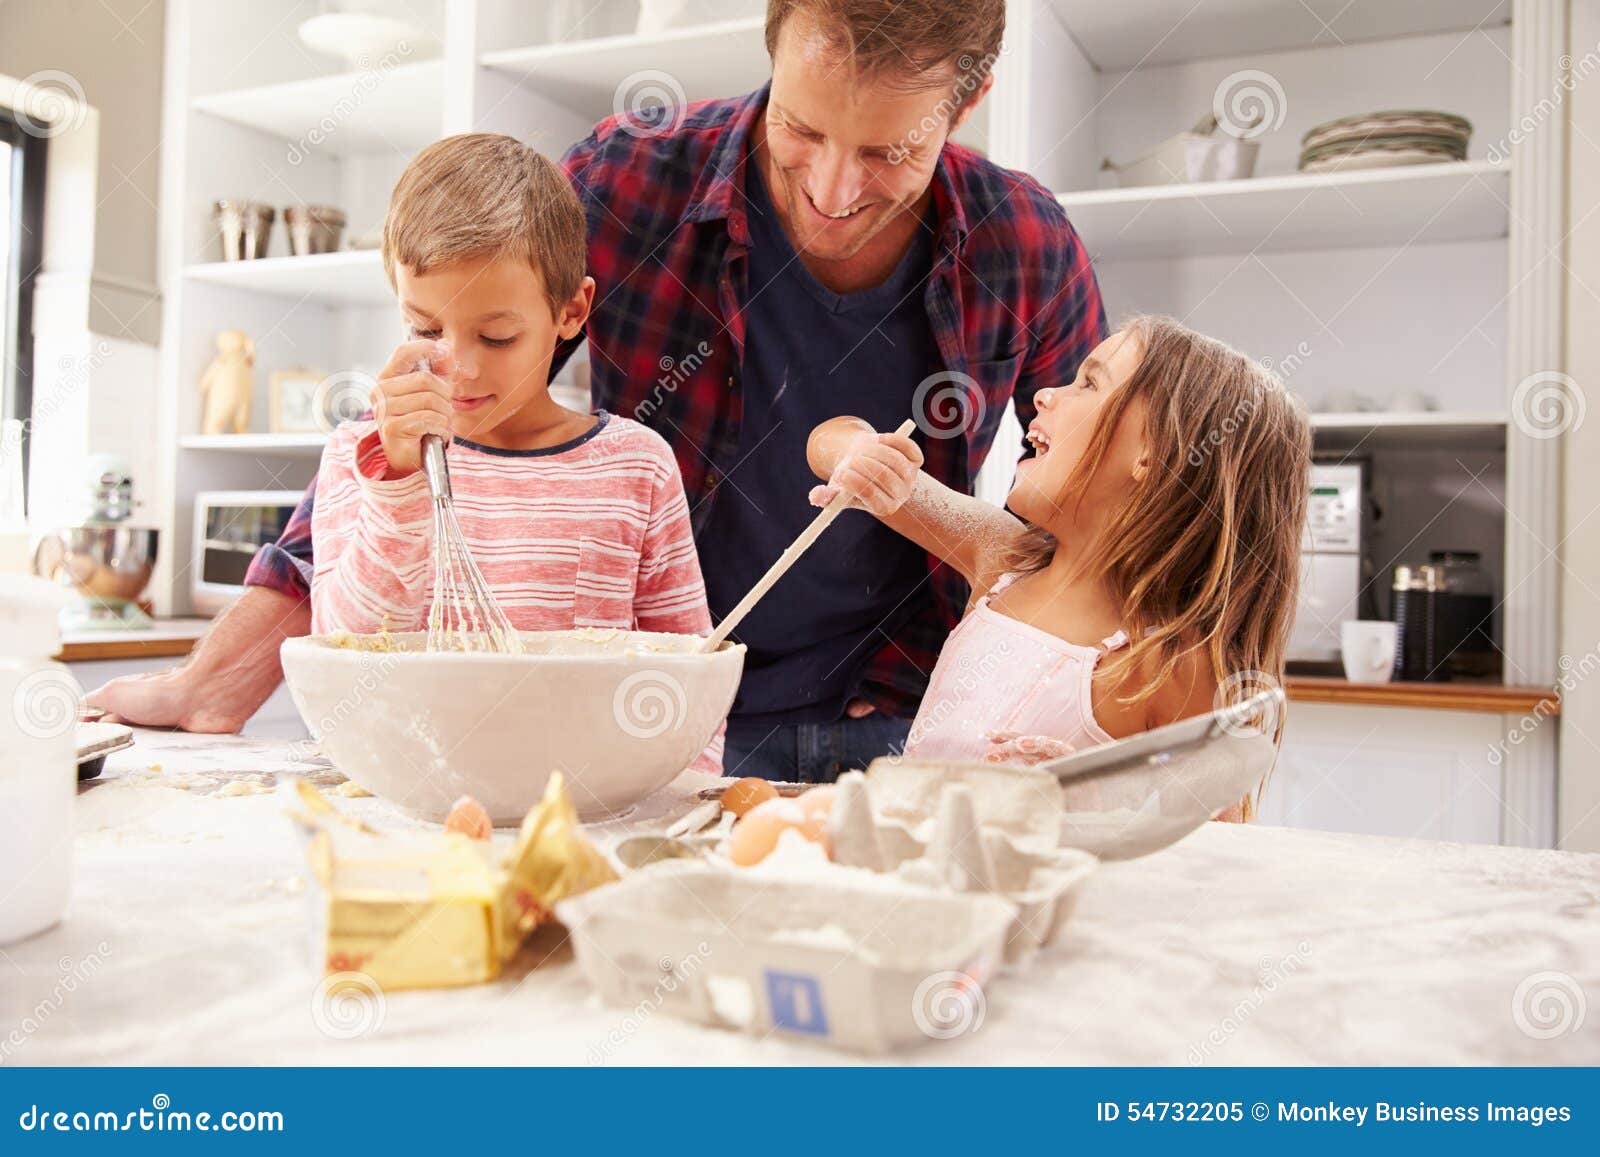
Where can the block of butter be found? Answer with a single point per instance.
(435, 909)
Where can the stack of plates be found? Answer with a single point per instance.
(1381, 139)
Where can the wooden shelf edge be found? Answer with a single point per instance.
(1480, 697)
(132, 648)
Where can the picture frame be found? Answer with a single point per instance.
(295, 408)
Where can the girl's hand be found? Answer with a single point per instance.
(1027, 750)
(877, 471)
(409, 402)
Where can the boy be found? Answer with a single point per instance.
(576, 520)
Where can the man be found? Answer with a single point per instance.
(813, 249)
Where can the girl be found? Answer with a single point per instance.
(1156, 557)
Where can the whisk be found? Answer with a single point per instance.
(464, 615)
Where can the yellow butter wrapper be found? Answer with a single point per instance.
(552, 860)
(436, 909)
(414, 911)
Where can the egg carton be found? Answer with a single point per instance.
(978, 830)
(958, 828)
(847, 962)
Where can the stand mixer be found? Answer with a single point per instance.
(107, 562)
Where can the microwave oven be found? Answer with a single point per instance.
(229, 527)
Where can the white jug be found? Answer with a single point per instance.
(39, 703)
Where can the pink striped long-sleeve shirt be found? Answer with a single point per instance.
(591, 533)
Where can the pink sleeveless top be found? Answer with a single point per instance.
(999, 674)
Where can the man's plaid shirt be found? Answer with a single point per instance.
(1011, 299)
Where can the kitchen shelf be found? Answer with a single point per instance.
(350, 112)
(297, 445)
(1491, 698)
(1416, 204)
(1459, 429)
(349, 277)
(705, 61)
(1145, 33)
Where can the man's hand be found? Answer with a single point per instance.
(228, 677)
(409, 402)
(164, 699)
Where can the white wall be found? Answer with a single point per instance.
(1578, 822)
(97, 308)
(112, 52)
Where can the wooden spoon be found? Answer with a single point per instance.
(785, 560)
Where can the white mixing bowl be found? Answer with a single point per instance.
(620, 714)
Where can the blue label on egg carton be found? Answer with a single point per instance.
(795, 1000)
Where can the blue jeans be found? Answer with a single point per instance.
(811, 752)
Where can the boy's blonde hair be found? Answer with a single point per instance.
(1205, 554)
(481, 195)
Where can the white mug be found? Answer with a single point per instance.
(1368, 650)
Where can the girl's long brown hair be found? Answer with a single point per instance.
(1206, 551)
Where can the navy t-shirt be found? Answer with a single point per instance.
(810, 355)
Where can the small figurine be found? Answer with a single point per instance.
(227, 386)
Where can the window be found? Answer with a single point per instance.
(21, 237)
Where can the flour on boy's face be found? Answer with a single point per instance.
(496, 317)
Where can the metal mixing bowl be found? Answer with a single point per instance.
(100, 562)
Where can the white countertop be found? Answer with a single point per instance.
(160, 630)
(187, 942)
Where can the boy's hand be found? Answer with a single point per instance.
(877, 471)
(409, 402)
(1027, 750)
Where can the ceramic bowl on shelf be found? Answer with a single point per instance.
(363, 39)
(619, 713)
